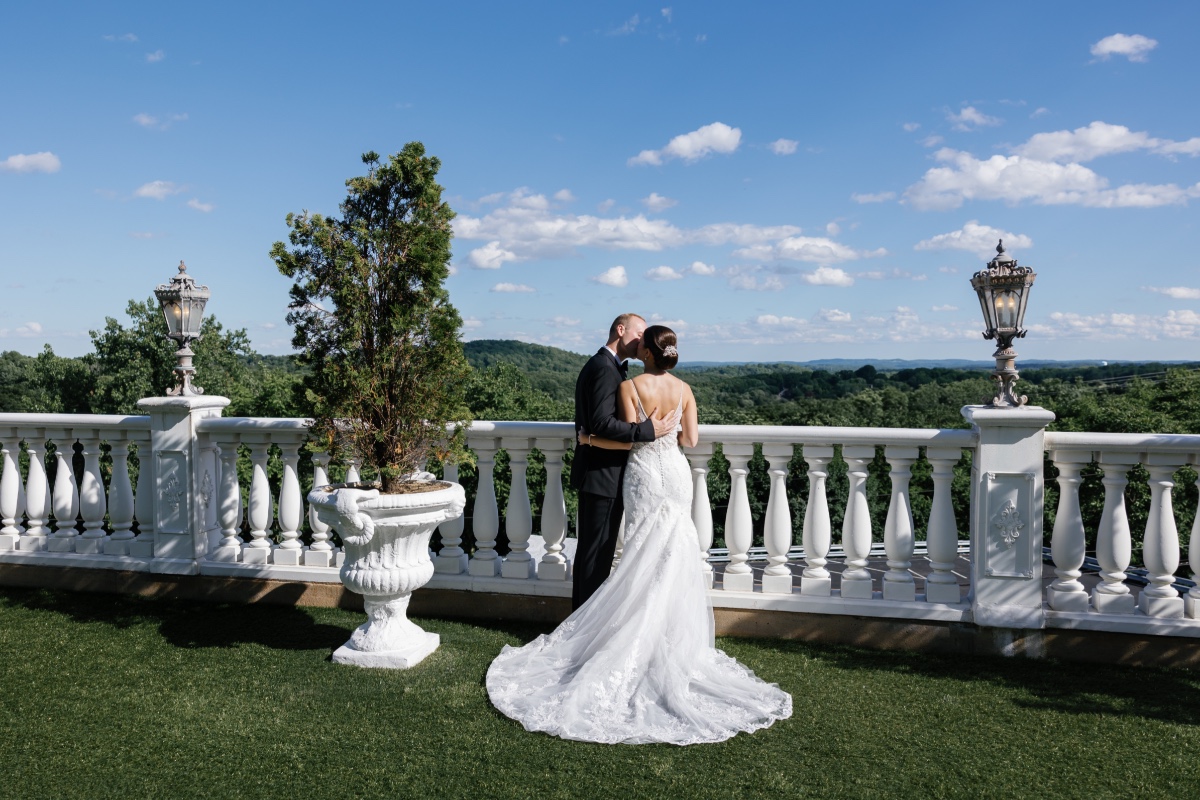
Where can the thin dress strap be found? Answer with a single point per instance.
(638, 396)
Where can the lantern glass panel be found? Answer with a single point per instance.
(1007, 304)
(173, 315)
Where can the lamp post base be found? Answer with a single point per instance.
(1006, 377)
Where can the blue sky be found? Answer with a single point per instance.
(776, 181)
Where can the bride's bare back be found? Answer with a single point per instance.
(660, 394)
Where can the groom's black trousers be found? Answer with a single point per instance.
(599, 523)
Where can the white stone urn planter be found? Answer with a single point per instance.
(386, 539)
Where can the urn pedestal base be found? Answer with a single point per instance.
(389, 659)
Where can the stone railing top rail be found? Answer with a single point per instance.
(77, 424)
(297, 425)
(1177, 443)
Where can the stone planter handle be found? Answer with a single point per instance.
(357, 529)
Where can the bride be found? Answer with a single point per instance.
(637, 663)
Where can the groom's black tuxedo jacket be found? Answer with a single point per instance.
(596, 470)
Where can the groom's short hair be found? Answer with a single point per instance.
(622, 320)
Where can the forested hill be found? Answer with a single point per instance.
(548, 369)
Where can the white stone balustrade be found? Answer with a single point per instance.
(1116, 454)
(191, 513)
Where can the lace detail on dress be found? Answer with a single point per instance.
(637, 662)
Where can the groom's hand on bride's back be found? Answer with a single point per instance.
(666, 425)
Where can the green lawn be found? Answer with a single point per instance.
(104, 696)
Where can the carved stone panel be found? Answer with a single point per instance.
(1007, 519)
(172, 513)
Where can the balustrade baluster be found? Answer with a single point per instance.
(229, 506)
(1068, 545)
(518, 519)
(320, 552)
(1191, 602)
(485, 516)
(10, 494)
(451, 559)
(554, 566)
(66, 499)
(120, 501)
(92, 502)
(856, 526)
(815, 581)
(777, 527)
(1113, 543)
(37, 494)
(898, 582)
(1160, 546)
(258, 549)
(143, 501)
(698, 457)
(352, 475)
(739, 525)
(291, 508)
(941, 539)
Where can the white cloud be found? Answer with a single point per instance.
(878, 197)
(834, 315)
(716, 137)
(563, 322)
(614, 276)
(701, 38)
(490, 256)
(630, 26)
(1184, 324)
(666, 12)
(512, 287)
(1135, 47)
(1177, 292)
(664, 274)
(785, 321)
(894, 274)
(1016, 178)
(196, 204)
(948, 270)
(564, 196)
(932, 140)
(29, 329)
(33, 162)
(784, 147)
(1040, 111)
(944, 308)
(145, 120)
(158, 190)
(833, 229)
(1100, 139)
(656, 202)
(471, 323)
(528, 230)
(124, 37)
(970, 119)
(604, 206)
(910, 127)
(816, 250)
(975, 238)
(700, 268)
(156, 56)
(141, 235)
(828, 276)
(754, 279)
(159, 123)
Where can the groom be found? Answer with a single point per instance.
(597, 473)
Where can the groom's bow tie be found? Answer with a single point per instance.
(624, 367)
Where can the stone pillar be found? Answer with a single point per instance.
(1006, 516)
(175, 461)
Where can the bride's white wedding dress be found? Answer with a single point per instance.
(637, 663)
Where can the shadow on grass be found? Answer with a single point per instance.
(1169, 695)
(188, 624)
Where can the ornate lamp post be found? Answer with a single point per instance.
(1003, 289)
(183, 303)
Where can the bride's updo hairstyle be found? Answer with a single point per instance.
(660, 341)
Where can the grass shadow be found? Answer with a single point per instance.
(188, 624)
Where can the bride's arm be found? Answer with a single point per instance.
(602, 443)
(691, 429)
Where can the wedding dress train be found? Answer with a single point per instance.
(637, 663)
